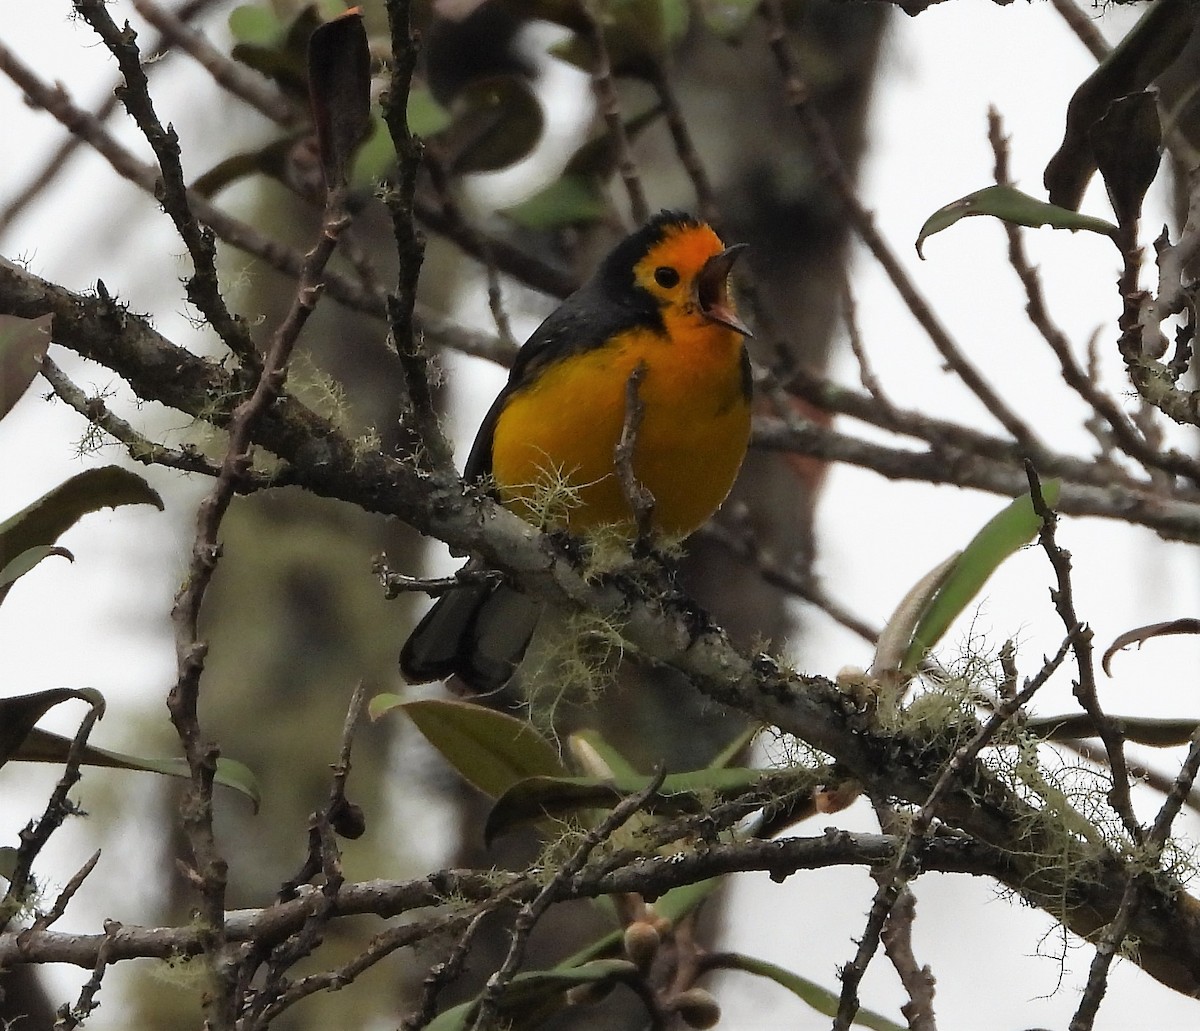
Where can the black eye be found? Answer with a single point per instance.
(666, 277)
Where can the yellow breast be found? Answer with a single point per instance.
(565, 425)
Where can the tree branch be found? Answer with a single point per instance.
(261, 94)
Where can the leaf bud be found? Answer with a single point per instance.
(697, 1008)
(641, 944)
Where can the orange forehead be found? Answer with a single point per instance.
(683, 247)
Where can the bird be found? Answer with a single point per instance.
(658, 309)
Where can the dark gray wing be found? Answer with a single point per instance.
(586, 319)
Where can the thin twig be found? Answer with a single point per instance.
(533, 910)
(528, 268)
(380, 947)
(52, 915)
(866, 374)
(740, 541)
(323, 856)
(419, 414)
(34, 837)
(1172, 517)
(685, 146)
(1148, 775)
(337, 817)
(1123, 430)
(444, 973)
(840, 399)
(918, 980)
(86, 1004)
(481, 245)
(1081, 23)
(203, 286)
(141, 448)
(50, 170)
(610, 110)
(1131, 900)
(817, 130)
(495, 295)
(341, 772)
(235, 78)
(1174, 276)
(906, 863)
(442, 332)
(395, 584)
(896, 938)
(637, 496)
(1085, 687)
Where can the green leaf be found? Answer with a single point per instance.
(1009, 204)
(1142, 730)
(327, 10)
(19, 713)
(535, 985)
(492, 751)
(820, 999)
(498, 121)
(578, 197)
(727, 19)
(282, 66)
(385, 702)
(732, 751)
(458, 1018)
(612, 762)
(376, 156)
(894, 640)
(1003, 535)
(284, 56)
(598, 157)
(536, 798)
(638, 35)
(44, 521)
(426, 117)
(56, 511)
(23, 344)
(569, 200)
(43, 746)
(538, 994)
(256, 24)
(679, 902)
(29, 558)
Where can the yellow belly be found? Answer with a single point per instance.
(566, 424)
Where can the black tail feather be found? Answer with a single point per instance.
(477, 632)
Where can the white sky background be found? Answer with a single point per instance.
(103, 621)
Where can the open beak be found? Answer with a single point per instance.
(712, 289)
